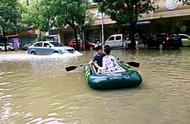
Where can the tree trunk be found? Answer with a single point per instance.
(76, 38)
(133, 24)
(132, 34)
(4, 39)
(83, 39)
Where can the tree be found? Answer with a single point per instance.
(30, 13)
(185, 1)
(127, 12)
(9, 16)
(60, 13)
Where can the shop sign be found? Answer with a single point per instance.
(171, 4)
(99, 15)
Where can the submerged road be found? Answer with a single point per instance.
(37, 90)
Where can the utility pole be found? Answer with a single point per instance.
(102, 23)
(4, 38)
(102, 19)
(27, 2)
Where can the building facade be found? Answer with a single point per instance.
(170, 16)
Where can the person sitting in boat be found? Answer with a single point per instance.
(97, 58)
(109, 63)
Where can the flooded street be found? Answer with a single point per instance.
(37, 90)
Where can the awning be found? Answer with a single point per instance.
(167, 14)
(151, 16)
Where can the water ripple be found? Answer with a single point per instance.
(36, 89)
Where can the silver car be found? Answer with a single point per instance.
(9, 47)
(48, 48)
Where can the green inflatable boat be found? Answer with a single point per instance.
(127, 79)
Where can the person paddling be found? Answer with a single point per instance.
(97, 58)
(109, 63)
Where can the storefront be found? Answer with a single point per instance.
(171, 16)
(22, 38)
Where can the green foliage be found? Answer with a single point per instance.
(30, 13)
(59, 13)
(127, 11)
(10, 14)
(63, 13)
(124, 11)
(185, 1)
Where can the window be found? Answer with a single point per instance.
(118, 37)
(46, 45)
(111, 38)
(184, 37)
(56, 44)
(38, 45)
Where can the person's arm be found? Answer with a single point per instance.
(103, 63)
(96, 65)
(94, 62)
(101, 69)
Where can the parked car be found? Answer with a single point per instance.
(93, 40)
(87, 44)
(48, 48)
(163, 41)
(116, 41)
(9, 46)
(185, 39)
(25, 46)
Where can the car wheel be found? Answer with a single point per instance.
(1, 50)
(9, 49)
(33, 53)
(55, 52)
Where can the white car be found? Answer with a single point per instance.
(9, 47)
(185, 39)
(116, 41)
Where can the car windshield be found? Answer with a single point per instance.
(56, 44)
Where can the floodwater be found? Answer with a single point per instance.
(37, 90)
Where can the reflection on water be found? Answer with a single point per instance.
(37, 90)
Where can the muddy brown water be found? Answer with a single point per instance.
(37, 90)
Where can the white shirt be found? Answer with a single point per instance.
(110, 65)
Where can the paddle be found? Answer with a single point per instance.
(134, 64)
(70, 68)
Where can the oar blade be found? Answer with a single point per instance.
(70, 68)
(134, 64)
